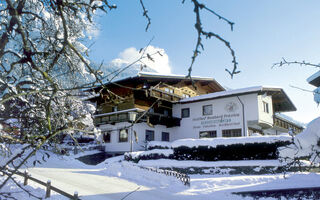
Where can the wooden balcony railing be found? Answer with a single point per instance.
(167, 96)
(152, 118)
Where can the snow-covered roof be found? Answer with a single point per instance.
(290, 120)
(152, 76)
(314, 79)
(277, 92)
(158, 75)
(226, 93)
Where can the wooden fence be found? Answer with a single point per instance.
(181, 176)
(48, 185)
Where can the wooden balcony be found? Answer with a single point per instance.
(160, 119)
(163, 95)
(285, 124)
(150, 118)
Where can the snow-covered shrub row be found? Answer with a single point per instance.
(213, 149)
(158, 145)
(240, 148)
(225, 141)
(149, 155)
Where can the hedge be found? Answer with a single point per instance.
(251, 151)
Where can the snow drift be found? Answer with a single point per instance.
(306, 144)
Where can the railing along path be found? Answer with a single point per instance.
(180, 176)
(48, 185)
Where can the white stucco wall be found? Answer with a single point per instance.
(140, 129)
(223, 116)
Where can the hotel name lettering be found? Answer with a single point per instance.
(217, 121)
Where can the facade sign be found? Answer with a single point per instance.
(230, 118)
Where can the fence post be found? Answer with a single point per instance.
(76, 195)
(75, 150)
(48, 191)
(25, 182)
(188, 180)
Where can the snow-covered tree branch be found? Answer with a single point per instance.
(44, 64)
(42, 53)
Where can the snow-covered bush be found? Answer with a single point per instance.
(158, 145)
(213, 149)
(305, 145)
(238, 148)
(149, 155)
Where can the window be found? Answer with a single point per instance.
(166, 112)
(107, 137)
(149, 135)
(151, 110)
(185, 112)
(208, 134)
(265, 107)
(114, 109)
(231, 133)
(207, 110)
(123, 135)
(165, 136)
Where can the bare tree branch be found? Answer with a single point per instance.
(284, 62)
(145, 14)
(201, 32)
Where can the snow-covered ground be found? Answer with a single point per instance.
(35, 189)
(115, 180)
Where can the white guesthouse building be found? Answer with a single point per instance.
(231, 113)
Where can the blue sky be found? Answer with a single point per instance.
(264, 32)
